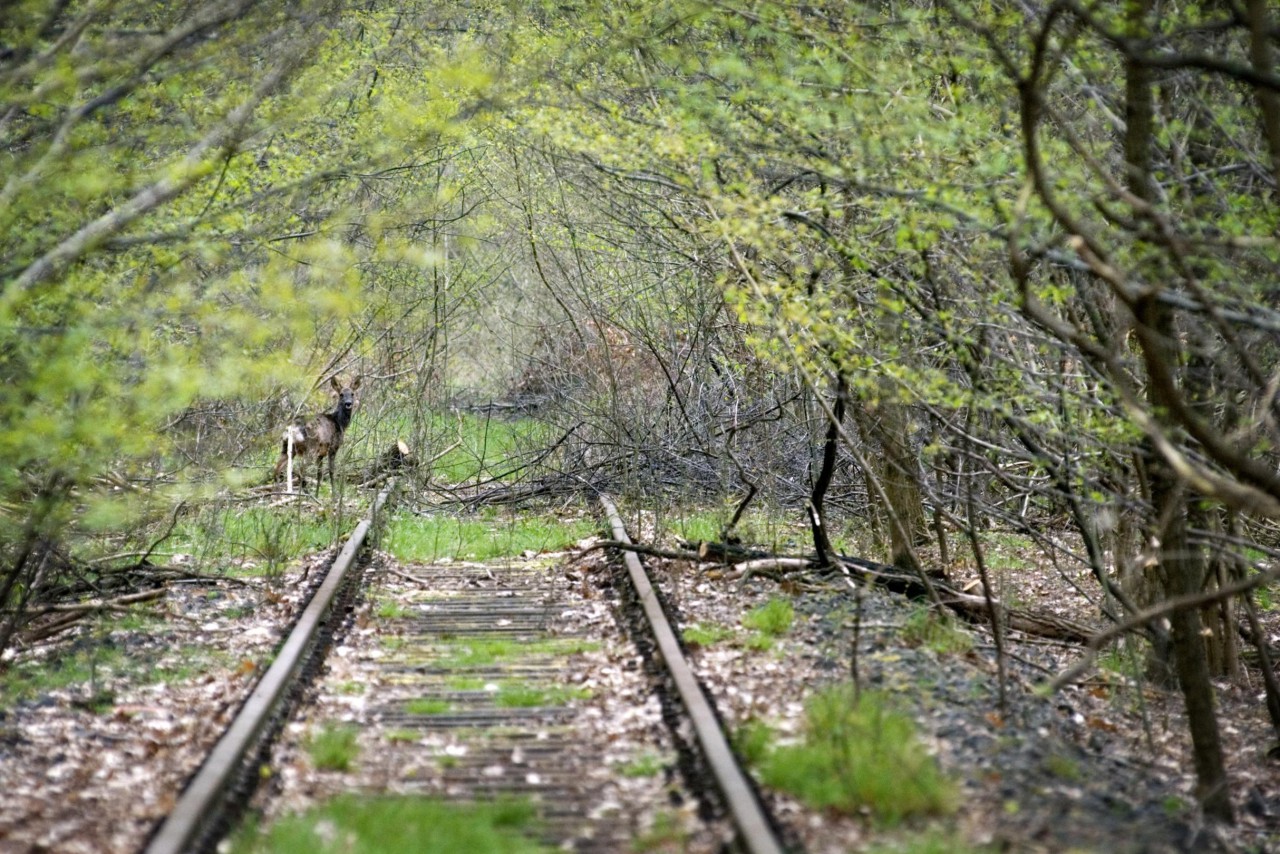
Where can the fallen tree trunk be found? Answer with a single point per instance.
(745, 562)
(970, 607)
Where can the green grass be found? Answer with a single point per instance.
(647, 764)
(774, 617)
(1009, 550)
(483, 447)
(771, 528)
(397, 824)
(389, 609)
(428, 706)
(1266, 602)
(854, 755)
(753, 740)
(518, 695)
(428, 538)
(474, 652)
(1063, 767)
(1122, 660)
(941, 633)
(334, 747)
(706, 634)
(703, 525)
(86, 670)
(769, 622)
(665, 834)
(270, 537)
(466, 683)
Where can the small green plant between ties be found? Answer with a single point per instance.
(334, 747)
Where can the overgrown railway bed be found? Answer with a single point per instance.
(529, 677)
(476, 682)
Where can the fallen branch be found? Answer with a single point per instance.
(406, 576)
(97, 604)
(768, 566)
(651, 551)
(1155, 612)
(70, 614)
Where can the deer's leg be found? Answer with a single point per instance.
(284, 458)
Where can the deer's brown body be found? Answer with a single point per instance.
(321, 437)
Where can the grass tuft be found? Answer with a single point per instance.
(396, 824)
(429, 538)
(334, 748)
(769, 622)
(478, 652)
(706, 634)
(938, 632)
(428, 706)
(519, 696)
(646, 764)
(856, 753)
(772, 618)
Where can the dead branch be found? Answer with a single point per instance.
(70, 614)
(1155, 612)
(651, 551)
(97, 604)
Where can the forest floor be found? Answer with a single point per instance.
(90, 764)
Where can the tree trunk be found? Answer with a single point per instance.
(887, 425)
(817, 518)
(1181, 563)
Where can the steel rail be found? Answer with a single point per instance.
(745, 811)
(197, 807)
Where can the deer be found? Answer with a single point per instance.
(320, 437)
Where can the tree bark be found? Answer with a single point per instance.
(817, 519)
(887, 425)
(1181, 562)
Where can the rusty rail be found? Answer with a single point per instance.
(198, 806)
(756, 832)
(198, 817)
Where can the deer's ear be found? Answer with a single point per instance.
(333, 381)
(356, 385)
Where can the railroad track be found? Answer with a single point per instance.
(477, 684)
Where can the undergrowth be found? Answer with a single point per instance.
(857, 753)
(939, 632)
(397, 824)
(88, 669)
(333, 747)
(483, 537)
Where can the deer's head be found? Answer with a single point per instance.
(346, 396)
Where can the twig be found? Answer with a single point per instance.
(1155, 612)
(406, 576)
(651, 551)
(173, 523)
(98, 604)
